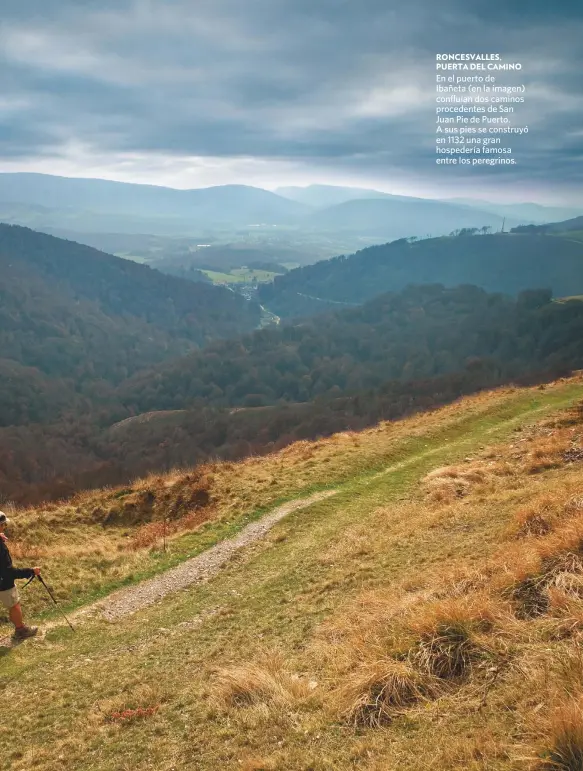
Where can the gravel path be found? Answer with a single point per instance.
(200, 568)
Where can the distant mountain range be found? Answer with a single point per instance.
(382, 219)
(124, 207)
(529, 213)
(321, 196)
(92, 206)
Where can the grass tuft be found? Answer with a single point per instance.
(564, 739)
(448, 644)
(267, 682)
(378, 691)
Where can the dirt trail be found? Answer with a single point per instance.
(125, 601)
(129, 600)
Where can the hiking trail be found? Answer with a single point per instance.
(204, 566)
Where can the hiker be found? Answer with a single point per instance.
(8, 591)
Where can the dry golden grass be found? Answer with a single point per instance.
(390, 649)
(403, 611)
(553, 709)
(153, 533)
(133, 697)
(563, 746)
(527, 572)
(548, 445)
(265, 682)
(378, 691)
(102, 537)
(449, 635)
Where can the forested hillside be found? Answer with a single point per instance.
(397, 217)
(497, 263)
(89, 340)
(421, 332)
(394, 355)
(74, 320)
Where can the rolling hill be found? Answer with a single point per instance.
(322, 196)
(420, 332)
(566, 227)
(498, 263)
(395, 355)
(526, 212)
(382, 219)
(85, 320)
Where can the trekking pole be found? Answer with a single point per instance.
(28, 582)
(52, 596)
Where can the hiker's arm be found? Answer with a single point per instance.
(11, 573)
(7, 569)
(20, 572)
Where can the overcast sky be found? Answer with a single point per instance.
(190, 93)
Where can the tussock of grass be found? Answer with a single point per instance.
(563, 750)
(558, 729)
(402, 655)
(447, 484)
(555, 562)
(378, 691)
(265, 682)
(448, 645)
(537, 518)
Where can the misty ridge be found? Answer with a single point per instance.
(101, 206)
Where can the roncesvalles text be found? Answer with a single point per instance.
(476, 112)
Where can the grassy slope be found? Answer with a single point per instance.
(321, 581)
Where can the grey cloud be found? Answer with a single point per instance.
(330, 83)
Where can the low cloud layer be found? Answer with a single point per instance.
(277, 92)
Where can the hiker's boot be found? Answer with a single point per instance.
(24, 632)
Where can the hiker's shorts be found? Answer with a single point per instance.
(9, 597)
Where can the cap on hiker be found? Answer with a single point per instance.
(4, 519)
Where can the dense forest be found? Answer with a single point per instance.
(53, 461)
(398, 353)
(75, 321)
(421, 332)
(498, 263)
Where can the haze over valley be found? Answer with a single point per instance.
(291, 226)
